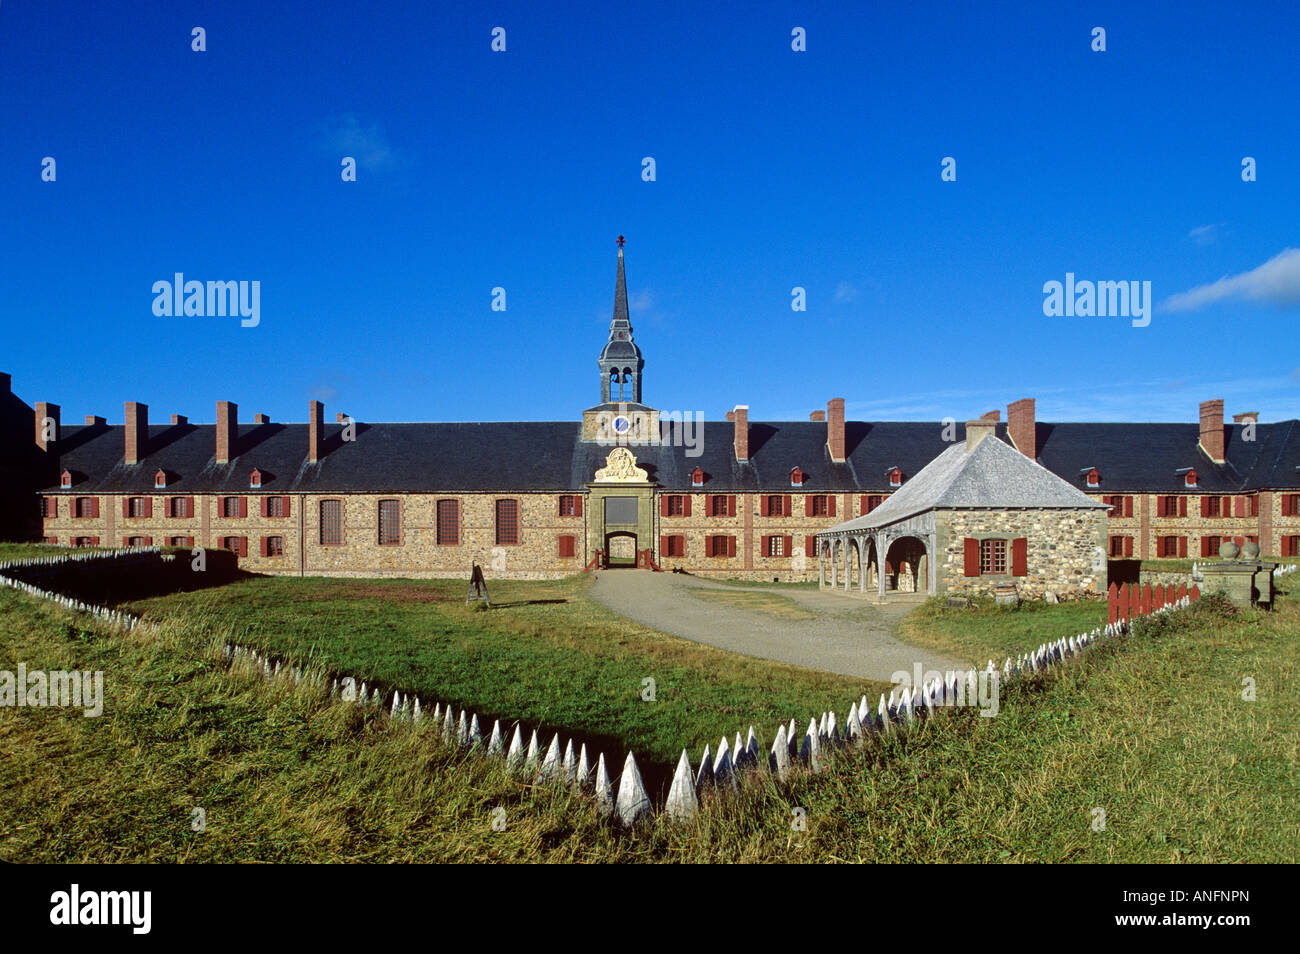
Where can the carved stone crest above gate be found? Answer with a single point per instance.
(620, 467)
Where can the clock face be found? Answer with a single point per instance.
(621, 425)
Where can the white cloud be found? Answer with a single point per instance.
(347, 135)
(1204, 234)
(845, 292)
(639, 302)
(1276, 282)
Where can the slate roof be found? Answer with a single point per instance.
(550, 455)
(993, 475)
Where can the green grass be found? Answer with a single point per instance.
(544, 654)
(1151, 728)
(986, 631)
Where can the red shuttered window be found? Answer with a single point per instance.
(507, 523)
(448, 523)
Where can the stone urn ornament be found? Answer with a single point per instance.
(1228, 550)
(1250, 550)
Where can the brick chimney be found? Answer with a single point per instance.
(227, 430)
(835, 428)
(137, 431)
(1022, 427)
(993, 416)
(817, 416)
(315, 431)
(94, 420)
(731, 417)
(1212, 429)
(179, 419)
(741, 416)
(261, 419)
(976, 431)
(5, 382)
(45, 410)
(1246, 417)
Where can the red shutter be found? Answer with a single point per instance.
(663, 506)
(126, 506)
(762, 505)
(762, 544)
(148, 541)
(94, 541)
(262, 546)
(971, 551)
(243, 545)
(1182, 506)
(807, 505)
(126, 541)
(243, 506)
(189, 541)
(731, 545)
(148, 506)
(731, 505)
(789, 546)
(663, 545)
(708, 546)
(1254, 506)
(266, 512)
(286, 506)
(1205, 506)
(1128, 546)
(94, 507)
(1128, 506)
(830, 504)
(1182, 546)
(1239, 506)
(810, 546)
(686, 506)
(789, 506)
(1020, 556)
(1286, 505)
(862, 504)
(577, 508)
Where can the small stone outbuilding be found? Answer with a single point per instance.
(980, 514)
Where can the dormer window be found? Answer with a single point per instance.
(895, 477)
(160, 479)
(1189, 476)
(65, 479)
(1092, 477)
(697, 477)
(796, 477)
(255, 479)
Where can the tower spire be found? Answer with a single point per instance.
(620, 360)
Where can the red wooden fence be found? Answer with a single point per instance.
(1128, 600)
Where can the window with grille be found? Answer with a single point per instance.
(448, 523)
(49, 506)
(136, 507)
(718, 546)
(567, 506)
(331, 522)
(1169, 546)
(175, 506)
(135, 541)
(177, 541)
(84, 542)
(507, 522)
(820, 507)
(1116, 546)
(230, 506)
(1214, 506)
(275, 506)
(993, 556)
(1291, 546)
(389, 516)
(676, 506)
(775, 546)
(874, 501)
(675, 546)
(775, 506)
(230, 543)
(275, 546)
(718, 505)
(83, 508)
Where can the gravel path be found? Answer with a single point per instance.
(848, 636)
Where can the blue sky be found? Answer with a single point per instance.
(774, 169)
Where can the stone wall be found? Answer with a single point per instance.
(1062, 551)
(1269, 527)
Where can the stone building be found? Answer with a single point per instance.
(980, 514)
(628, 483)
